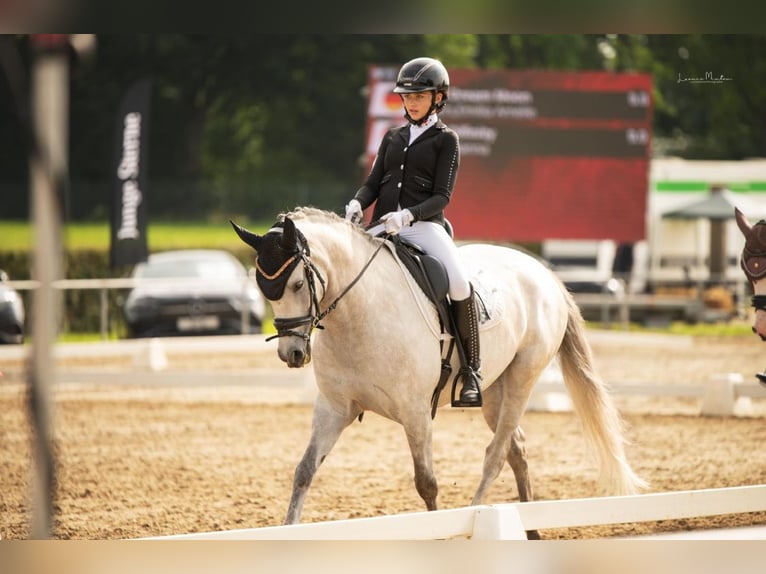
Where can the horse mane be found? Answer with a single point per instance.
(316, 215)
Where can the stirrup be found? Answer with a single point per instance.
(466, 372)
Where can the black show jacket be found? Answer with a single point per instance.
(419, 177)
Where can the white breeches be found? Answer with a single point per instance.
(433, 239)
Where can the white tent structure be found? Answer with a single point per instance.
(691, 215)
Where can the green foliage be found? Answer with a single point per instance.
(15, 235)
(258, 123)
(453, 50)
(83, 236)
(707, 120)
(734, 328)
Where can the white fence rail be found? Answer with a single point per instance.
(721, 395)
(511, 521)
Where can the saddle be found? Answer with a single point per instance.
(430, 275)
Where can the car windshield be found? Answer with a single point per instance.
(202, 268)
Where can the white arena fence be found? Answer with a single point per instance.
(510, 521)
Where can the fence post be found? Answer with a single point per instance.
(498, 523)
(720, 398)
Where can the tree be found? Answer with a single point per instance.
(252, 124)
(696, 120)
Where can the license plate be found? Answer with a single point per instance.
(198, 323)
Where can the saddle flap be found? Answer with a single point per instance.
(437, 275)
(430, 275)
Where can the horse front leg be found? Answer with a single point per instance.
(326, 427)
(420, 440)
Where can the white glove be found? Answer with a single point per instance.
(395, 220)
(354, 210)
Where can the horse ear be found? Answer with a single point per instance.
(289, 243)
(742, 222)
(248, 237)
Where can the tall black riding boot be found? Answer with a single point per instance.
(467, 325)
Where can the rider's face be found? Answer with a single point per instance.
(418, 104)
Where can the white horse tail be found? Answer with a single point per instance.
(602, 424)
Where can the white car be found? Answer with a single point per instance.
(11, 313)
(193, 292)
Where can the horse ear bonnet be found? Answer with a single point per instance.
(755, 248)
(278, 256)
(756, 239)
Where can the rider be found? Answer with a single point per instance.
(412, 180)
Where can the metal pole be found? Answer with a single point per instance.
(245, 311)
(104, 308)
(50, 102)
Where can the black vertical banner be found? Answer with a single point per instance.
(129, 216)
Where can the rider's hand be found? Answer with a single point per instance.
(395, 220)
(354, 210)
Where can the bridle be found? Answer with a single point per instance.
(286, 327)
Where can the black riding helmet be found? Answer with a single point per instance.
(423, 75)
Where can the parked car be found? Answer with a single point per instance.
(11, 312)
(192, 292)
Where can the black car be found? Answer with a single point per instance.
(191, 292)
(11, 312)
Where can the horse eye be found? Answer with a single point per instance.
(298, 285)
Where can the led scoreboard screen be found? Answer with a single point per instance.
(544, 154)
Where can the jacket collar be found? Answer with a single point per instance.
(404, 132)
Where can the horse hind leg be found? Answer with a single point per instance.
(327, 426)
(420, 440)
(507, 443)
(517, 459)
(515, 452)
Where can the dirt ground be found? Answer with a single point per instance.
(140, 461)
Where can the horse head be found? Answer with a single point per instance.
(753, 262)
(289, 286)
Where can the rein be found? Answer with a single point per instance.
(286, 327)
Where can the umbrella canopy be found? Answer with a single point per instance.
(718, 205)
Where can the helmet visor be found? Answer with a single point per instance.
(412, 88)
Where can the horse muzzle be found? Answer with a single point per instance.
(295, 353)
